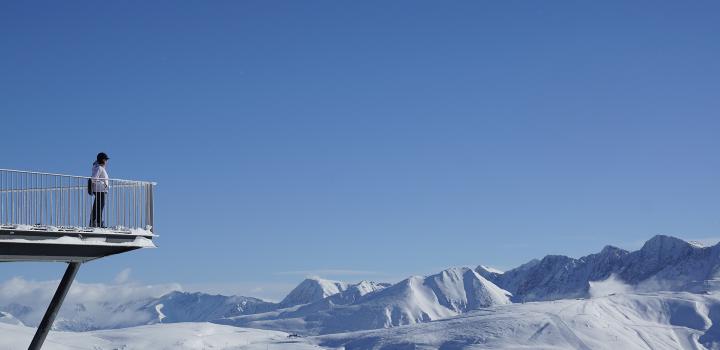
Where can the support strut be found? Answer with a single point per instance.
(54, 307)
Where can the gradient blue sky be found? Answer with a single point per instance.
(371, 139)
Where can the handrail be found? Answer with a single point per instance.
(38, 189)
(74, 176)
(47, 199)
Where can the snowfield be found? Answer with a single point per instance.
(665, 295)
(627, 322)
(178, 336)
(673, 320)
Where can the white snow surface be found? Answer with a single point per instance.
(658, 321)
(313, 289)
(160, 315)
(414, 300)
(139, 241)
(178, 336)
(664, 263)
(663, 296)
(661, 321)
(124, 230)
(491, 269)
(9, 319)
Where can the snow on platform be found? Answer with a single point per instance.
(68, 244)
(55, 230)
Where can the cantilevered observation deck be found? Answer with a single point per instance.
(46, 217)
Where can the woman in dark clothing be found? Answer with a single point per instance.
(100, 184)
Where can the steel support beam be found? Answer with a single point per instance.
(52, 311)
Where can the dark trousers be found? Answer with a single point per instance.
(97, 210)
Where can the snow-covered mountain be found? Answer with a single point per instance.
(16, 311)
(311, 290)
(414, 300)
(354, 292)
(176, 306)
(663, 263)
(658, 321)
(169, 308)
(201, 307)
(9, 319)
(669, 263)
(351, 295)
(318, 306)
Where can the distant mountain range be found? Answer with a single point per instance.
(370, 306)
(9, 319)
(318, 306)
(663, 263)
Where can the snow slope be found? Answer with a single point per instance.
(178, 336)
(629, 321)
(658, 321)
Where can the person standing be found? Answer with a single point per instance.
(100, 185)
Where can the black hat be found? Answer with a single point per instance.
(102, 156)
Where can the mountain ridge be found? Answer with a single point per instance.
(319, 306)
(662, 263)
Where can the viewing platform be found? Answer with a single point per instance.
(46, 217)
(49, 217)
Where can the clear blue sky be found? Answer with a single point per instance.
(386, 138)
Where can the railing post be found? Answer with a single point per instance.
(151, 204)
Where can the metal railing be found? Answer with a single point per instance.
(63, 201)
